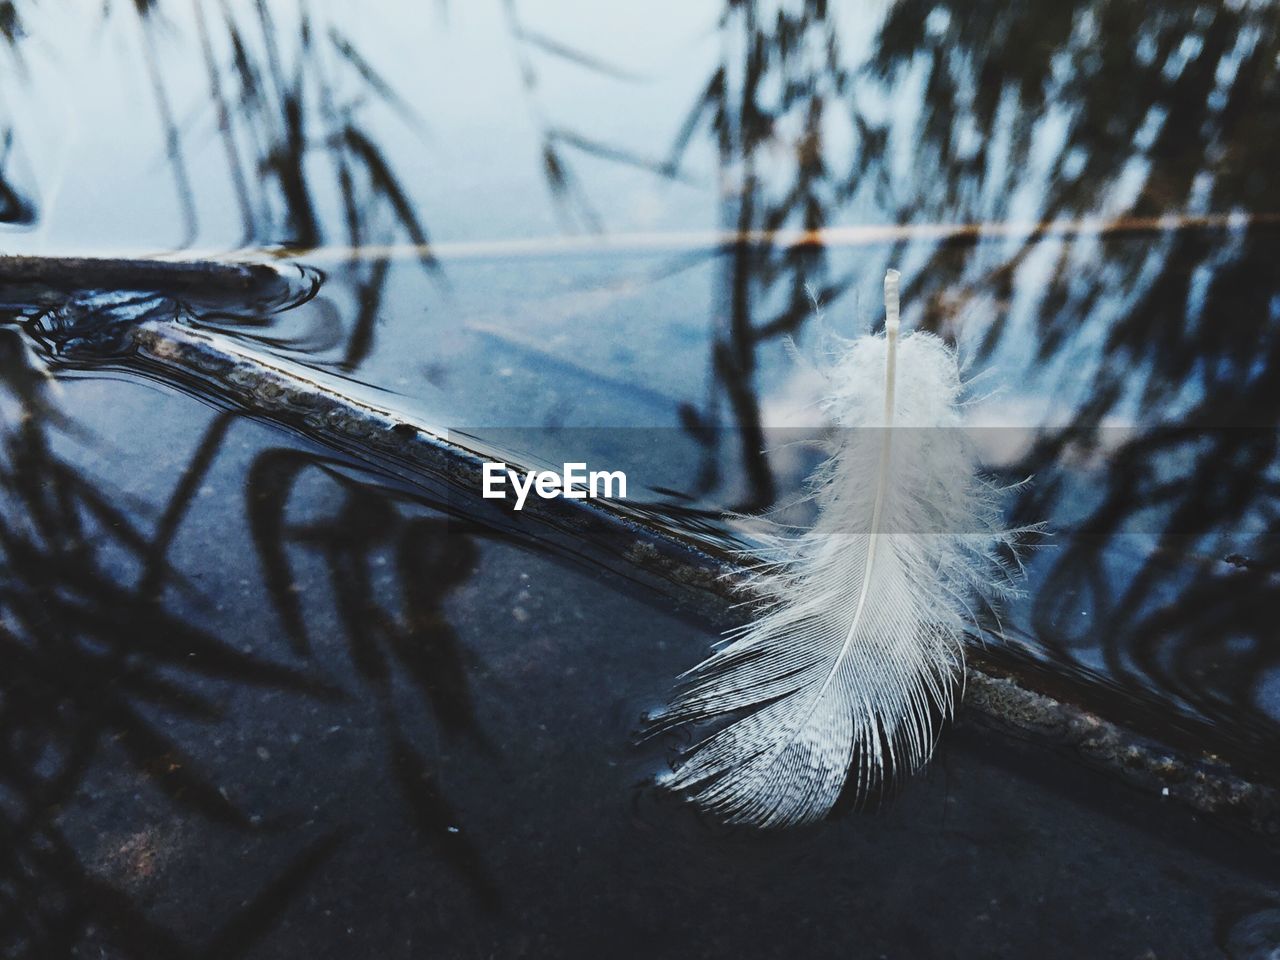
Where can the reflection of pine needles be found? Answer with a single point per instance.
(96, 642)
(571, 201)
(431, 558)
(1193, 330)
(1174, 330)
(14, 206)
(91, 659)
(95, 666)
(276, 116)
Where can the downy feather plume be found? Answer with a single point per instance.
(858, 646)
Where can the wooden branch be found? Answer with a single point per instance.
(188, 277)
(1167, 756)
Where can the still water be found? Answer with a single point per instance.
(258, 701)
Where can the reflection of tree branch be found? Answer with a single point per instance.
(89, 661)
(151, 581)
(257, 918)
(571, 200)
(225, 127)
(431, 560)
(14, 207)
(1179, 323)
(284, 112)
(173, 139)
(787, 75)
(437, 822)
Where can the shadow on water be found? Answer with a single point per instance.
(102, 655)
(430, 557)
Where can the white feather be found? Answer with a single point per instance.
(858, 648)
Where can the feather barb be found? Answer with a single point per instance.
(858, 645)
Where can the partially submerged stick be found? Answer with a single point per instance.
(1004, 690)
(189, 277)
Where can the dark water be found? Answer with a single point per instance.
(258, 701)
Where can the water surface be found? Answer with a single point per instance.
(586, 235)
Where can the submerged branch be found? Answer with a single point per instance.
(1139, 741)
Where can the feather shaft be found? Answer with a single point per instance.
(882, 479)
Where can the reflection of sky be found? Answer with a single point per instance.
(474, 171)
